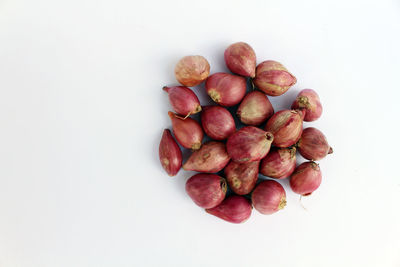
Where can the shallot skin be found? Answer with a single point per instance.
(268, 197)
(187, 131)
(286, 126)
(226, 89)
(183, 100)
(242, 177)
(217, 122)
(192, 70)
(206, 190)
(308, 100)
(279, 163)
(240, 58)
(313, 144)
(306, 178)
(211, 158)
(255, 108)
(249, 144)
(273, 78)
(169, 153)
(234, 209)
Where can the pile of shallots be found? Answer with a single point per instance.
(266, 145)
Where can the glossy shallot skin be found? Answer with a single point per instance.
(187, 131)
(217, 122)
(169, 153)
(273, 78)
(183, 100)
(279, 163)
(226, 89)
(313, 144)
(206, 190)
(249, 144)
(268, 197)
(211, 158)
(306, 178)
(242, 177)
(234, 209)
(240, 58)
(255, 108)
(286, 126)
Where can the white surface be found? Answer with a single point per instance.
(82, 112)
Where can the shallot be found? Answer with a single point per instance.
(240, 58)
(170, 154)
(306, 178)
(249, 144)
(187, 131)
(226, 89)
(234, 209)
(286, 126)
(273, 78)
(192, 70)
(206, 190)
(211, 157)
(268, 197)
(279, 163)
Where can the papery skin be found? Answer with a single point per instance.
(226, 89)
(192, 70)
(279, 163)
(242, 177)
(169, 153)
(306, 178)
(234, 209)
(240, 58)
(273, 78)
(308, 100)
(211, 157)
(206, 190)
(217, 122)
(313, 144)
(187, 131)
(249, 144)
(183, 100)
(255, 109)
(268, 197)
(286, 126)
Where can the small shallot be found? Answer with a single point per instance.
(234, 209)
(268, 197)
(279, 163)
(273, 78)
(249, 144)
(313, 144)
(308, 100)
(192, 70)
(306, 178)
(187, 131)
(242, 177)
(226, 89)
(183, 100)
(240, 58)
(211, 157)
(255, 109)
(170, 154)
(217, 122)
(206, 190)
(286, 126)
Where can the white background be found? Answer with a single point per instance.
(82, 112)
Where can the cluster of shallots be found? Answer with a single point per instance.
(240, 155)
